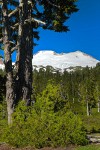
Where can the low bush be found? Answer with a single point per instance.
(46, 130)
(49, 122)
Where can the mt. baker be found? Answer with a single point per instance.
(63, 61)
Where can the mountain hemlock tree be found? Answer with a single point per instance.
(28, 16)
(8, 62)
(24, 58)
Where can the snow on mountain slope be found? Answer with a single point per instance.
(62, 61)
(1, 64)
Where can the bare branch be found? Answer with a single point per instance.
(29, 2)
(1, 40)
(14, 11)
(39, 21)
(35, 20)
(14, 48)
(12, 27)
(16, 24)
(11, 42)
(53, 4)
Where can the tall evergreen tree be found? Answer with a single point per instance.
(23, 18)
(7, 61)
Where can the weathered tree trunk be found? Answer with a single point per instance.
(88, 109)
(88, 113)
(73, 100)
(98, 104)
(24, 54)
(8, 63)
(27, 86)
(19, 78)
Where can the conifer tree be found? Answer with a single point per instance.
(7, 61)
(53, 16)
(22, 20)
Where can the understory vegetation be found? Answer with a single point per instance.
(64, 108)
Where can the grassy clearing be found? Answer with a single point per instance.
(89, 147)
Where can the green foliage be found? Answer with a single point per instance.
(3, 120)
(89, 147)
(59, 101)
(42, 125)
(76, 89)
(2, 85)
(51, 99)
(92, 123)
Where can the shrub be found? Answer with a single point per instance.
(40, 125)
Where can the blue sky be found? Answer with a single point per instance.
(84, 34)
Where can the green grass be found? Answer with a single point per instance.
(89, 147)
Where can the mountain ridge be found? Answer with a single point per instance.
(60, 61)
(63, 61)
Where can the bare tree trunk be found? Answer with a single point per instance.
(99, 104)
(73, 100)
(88, 109)
(88, 114)
(20, 55)
(21, 52)
(27, 86)
(24, 54)
(8, 63)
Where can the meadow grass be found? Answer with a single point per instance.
(89, 147)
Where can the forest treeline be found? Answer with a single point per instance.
(65, 107)
(48, 108)
(80, 88)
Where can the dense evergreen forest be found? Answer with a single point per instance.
(65, 107)
(46, 107)
(81, 89)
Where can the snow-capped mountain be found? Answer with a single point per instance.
(63, 61)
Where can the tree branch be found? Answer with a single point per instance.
(35, 20)
(53, 4)
(11, 42)
(1, 40)
(14, 26)
(38, 21)
(14, 48)
(14, 11)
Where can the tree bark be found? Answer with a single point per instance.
(88, 113)
(27, 86)
(24, 55)
(99, 104)
(8, 63)
(20, 60)
(89, 110)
